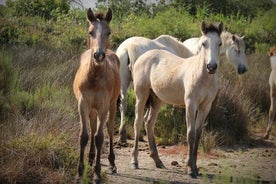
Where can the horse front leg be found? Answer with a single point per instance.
(201, 117)
(99, 138)
(271, 115)
(110, 129)
(83, 113)
(138, 122)
(93, 126)
(191, 138)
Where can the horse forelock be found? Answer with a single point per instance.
(211, 28)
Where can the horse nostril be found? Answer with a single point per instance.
(99, 55)
(212, 67)
(242, 69)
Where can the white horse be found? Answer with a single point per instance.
(272, 84)
(128, 52)
(160, 76)
(233, 47)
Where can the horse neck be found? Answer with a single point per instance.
(94, 68)
(176, 45)
(226, 39)
(273, 62)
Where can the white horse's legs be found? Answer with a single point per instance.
(150, 124)
(271, 115)
(191, 132)
(125, 81)
(139, 111)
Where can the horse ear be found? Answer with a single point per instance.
(203, 27)
(234, 38)
(108, 16)
(243, 37)
(90, 15)
(220, 27)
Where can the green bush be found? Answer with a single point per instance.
(8, 82)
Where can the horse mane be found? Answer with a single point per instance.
(173, 42)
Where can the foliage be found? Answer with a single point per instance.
(32, 158)
(8, 83)
(41, 8)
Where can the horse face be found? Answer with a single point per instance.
(99, 32)
(236, 54)
(211, 43)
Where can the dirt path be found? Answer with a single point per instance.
(240, 164)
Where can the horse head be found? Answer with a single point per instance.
(99, 32)
(236, 54)
(211, 43)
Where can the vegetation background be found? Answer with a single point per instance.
(41, 42)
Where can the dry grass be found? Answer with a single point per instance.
(39, 137)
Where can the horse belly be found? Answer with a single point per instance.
(169, 93)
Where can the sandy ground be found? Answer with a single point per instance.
(255, 163)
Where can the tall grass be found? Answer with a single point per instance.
(39, 135)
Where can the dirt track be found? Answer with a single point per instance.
(239, 164)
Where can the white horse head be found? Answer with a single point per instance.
(235, 53)
(211, 42)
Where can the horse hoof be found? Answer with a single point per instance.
(192, 175)
(112, 170)
(97, 179)
(160, 165)
(266, 135)
(134, 166)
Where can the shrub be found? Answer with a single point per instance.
(36, 158)
(8, 82)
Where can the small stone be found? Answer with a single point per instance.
(174, 163)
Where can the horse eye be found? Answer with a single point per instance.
(220, 44)
(203, 44)
(91, 33)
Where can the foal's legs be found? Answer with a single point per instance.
(125, 81)
(110, 129)
(99, 137)
(191, 114)
(93, 126)
(201, 117)
(150, 124)
(84, 119)
(271, 113)
(139, 109)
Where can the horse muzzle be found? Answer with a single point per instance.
(242, 69)
(211, 68)
(99, 55)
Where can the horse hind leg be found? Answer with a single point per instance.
(270, 117)
(150, 124)
(125, 78)
(110, 129)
